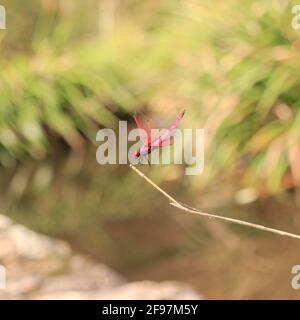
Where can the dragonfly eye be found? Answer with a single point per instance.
(136, 154)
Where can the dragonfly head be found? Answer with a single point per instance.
(136, 154)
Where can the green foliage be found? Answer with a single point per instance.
(234, 64)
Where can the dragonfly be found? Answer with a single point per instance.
(150, 143)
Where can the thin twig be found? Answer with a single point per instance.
(189, 209)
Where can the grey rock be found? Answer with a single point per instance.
(39, 267)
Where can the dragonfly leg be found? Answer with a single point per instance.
(148, 161)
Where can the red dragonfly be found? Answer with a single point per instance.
(150, 143)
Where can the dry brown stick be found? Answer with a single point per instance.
(181, 206)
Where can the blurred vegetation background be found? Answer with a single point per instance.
(71, 67)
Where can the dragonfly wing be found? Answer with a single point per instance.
(143, 125)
